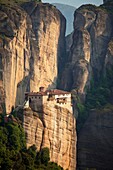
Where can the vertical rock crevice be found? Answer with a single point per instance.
(32, 48)
(87, 57)
(58, 133)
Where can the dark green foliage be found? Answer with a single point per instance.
(97, 97)
(45, 158)
(82, 115)
(53, 166)
(80, 107)
(100, 93)
(14, 136)
(12, 140)
(42, 158)
(32, 151)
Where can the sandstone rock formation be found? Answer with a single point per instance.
(90, 56)
(2, 98)
(95, 140)
(32, 53)
(93, 28)
(49, 30)
(14, 52)
(55, 128)
(31, 48)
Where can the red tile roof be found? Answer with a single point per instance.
(53, 91)
(57, 91)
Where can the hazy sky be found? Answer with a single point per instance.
(75, 3)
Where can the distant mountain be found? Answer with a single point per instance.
(68, 12)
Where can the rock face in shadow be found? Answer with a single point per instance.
(55, 128)
(93, 30)
(69, 41)
(31, 49)
(104, 1)
(90, 56)
(95, 140)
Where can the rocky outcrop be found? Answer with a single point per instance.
(95, 141)
(14, 53)
(2, 98)
(31, 49)
(95, 137)
(69, 41)
(109, 57)
(49, 31)
(88, 54)
(32, 53)
(106, 1)
(55, 128)
(90, 57)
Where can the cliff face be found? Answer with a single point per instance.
(95, 141)
(14, 53)
(88, 53)
(32, 53)
(31, 49)
(49, 49)
(55, 128)
(90, 56)
(106, 1)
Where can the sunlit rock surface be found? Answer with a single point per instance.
(31, 49)
(55, 128)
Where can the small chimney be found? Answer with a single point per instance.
(41, 89)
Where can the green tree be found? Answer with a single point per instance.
(45, 157)
(53, 166)
(14, 154)
(16, 138)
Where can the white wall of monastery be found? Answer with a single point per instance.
(37, 102)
